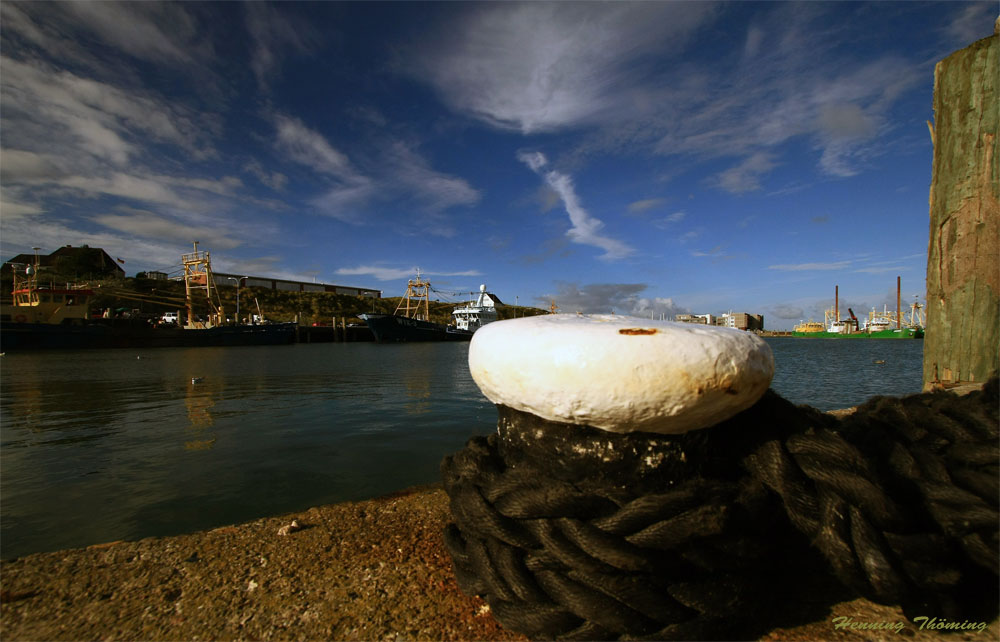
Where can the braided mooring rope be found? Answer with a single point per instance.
(697, 535)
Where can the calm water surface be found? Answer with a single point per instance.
(105, 445)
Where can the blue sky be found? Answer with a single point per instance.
(647, 158)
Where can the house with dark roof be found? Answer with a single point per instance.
(82, 262)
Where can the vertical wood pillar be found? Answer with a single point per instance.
(962, 341)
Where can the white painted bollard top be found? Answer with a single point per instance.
(620, 374)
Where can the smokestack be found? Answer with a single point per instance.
(899, 303)
(836, 303)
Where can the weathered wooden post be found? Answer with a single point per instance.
(963, 269)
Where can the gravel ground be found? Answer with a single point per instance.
(372, 570)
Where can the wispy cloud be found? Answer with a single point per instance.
(395, 170)
(802, 267)
(273, 33)
(791, 89)
(274, 180)
(585, 229)
(59, 110)
(882, 270)
(745, 177)
(974, 22)
(148, 224)
(435, 190)
(670, 220)
(308, 147)
(168, 35)
(690, 235)
(717, 254)
(383, 273)
(538, 67)
(149, 31)
(645, 205)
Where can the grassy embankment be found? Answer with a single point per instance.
(154, 297)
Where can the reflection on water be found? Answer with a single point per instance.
(267, 430)
(199, 401)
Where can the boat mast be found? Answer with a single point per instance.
(416, 289)
(198, 275)
(899, 305)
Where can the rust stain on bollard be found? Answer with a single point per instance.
(637, 331)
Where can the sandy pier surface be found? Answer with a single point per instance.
(371, 570)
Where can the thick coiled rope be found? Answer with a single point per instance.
(693, 536)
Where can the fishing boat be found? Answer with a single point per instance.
(477, 313)
(47, 315)
(879, 325)
(411, 319)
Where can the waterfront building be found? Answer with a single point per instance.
(738, 320)
(704, 319)
(293, 286)
(742, 321)
(82, 262)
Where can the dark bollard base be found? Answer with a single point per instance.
(569, 531)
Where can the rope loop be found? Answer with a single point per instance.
(689, 536)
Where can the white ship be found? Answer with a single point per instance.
(477, 313)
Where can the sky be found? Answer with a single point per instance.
(648, 158)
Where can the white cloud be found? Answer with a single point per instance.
(310, 148)
(156, 32)
(51, 233)
(398, 171)
(12, 206)
(800, 86)
(383, 273)
(538, 67)
(62, 112)
(345, 201)
(139, 223)
(745, 177)
(435, 190)
(801, 267)
(585, 229)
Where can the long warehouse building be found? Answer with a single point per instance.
(222, 279)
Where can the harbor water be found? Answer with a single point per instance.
(105, 445)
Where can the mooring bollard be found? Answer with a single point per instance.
(643, 482)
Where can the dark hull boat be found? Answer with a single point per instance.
(409, 322)
(393, 328)
(35, 336)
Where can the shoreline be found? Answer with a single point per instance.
(367, 570)
(373, 569)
